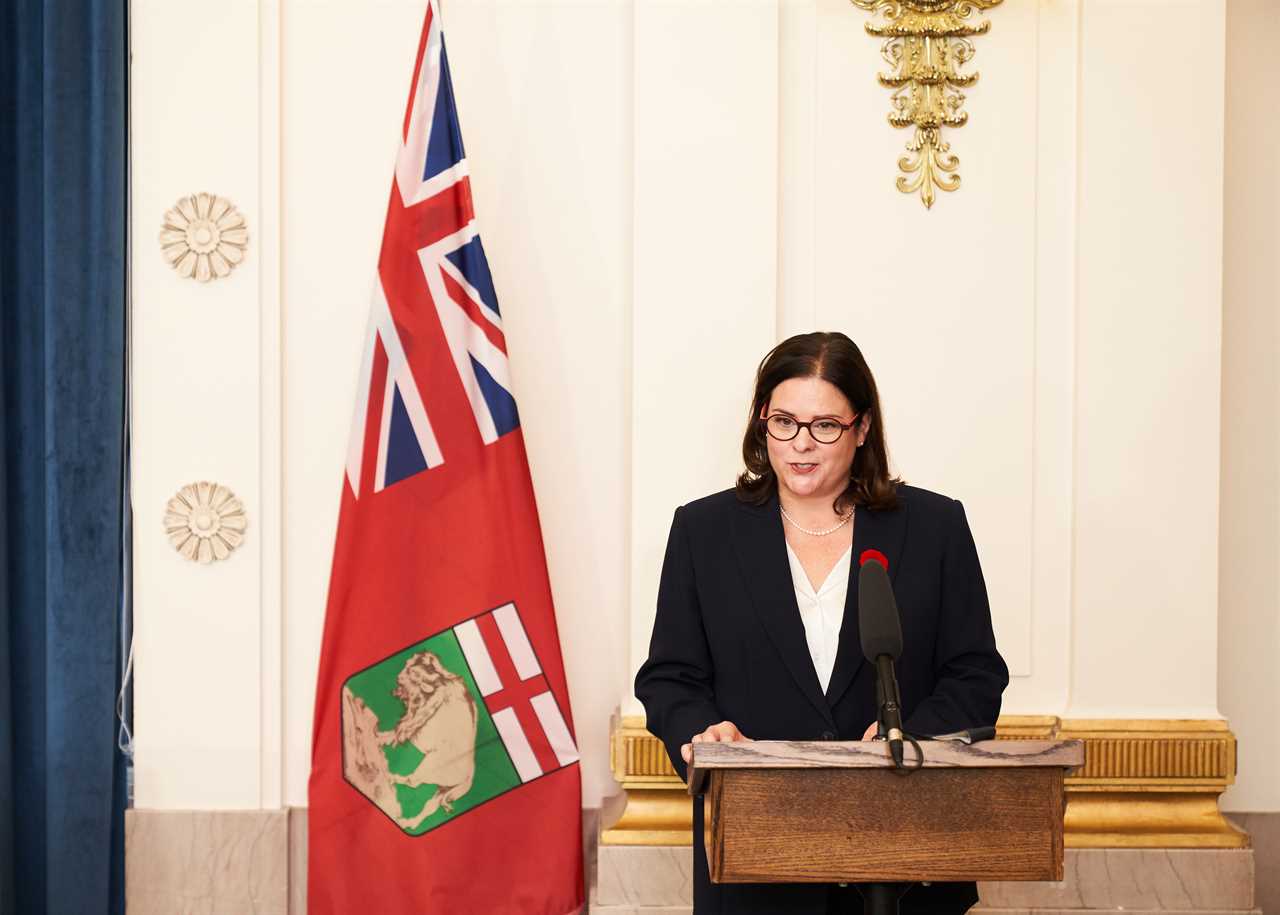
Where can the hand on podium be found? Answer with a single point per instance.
(727, 732)
(724, 732)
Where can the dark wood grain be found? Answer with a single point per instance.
(856, 824)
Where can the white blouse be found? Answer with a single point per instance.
(822, 611)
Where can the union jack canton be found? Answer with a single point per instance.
(430, 208)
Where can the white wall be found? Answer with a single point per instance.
(198, 391)
(704, 265)
(1249, 589)
(665, 188)
(1148, 362)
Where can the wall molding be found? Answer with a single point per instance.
(271, 597)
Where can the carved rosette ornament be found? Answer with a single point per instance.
(205, 521)
(927, 43)
(204, 237)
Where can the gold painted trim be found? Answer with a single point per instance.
(1146, 783)
(1148, 819)
(1026, 727)
(660, 816)
(1154, 754)
(636, 757)
(657, 810)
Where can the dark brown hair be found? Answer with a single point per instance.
(834, 358)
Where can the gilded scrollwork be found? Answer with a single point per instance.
(927, 43)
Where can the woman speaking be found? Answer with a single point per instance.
(756, 632)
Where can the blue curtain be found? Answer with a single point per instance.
(62, 506)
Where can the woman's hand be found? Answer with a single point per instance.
(870, 732)
(724, 732)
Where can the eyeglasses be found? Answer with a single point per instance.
(824, 430)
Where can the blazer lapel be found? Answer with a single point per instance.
(761, 548)
(885, 531)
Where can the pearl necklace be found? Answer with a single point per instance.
(805, 530)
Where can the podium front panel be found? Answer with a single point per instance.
(864, 825)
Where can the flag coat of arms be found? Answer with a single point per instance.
(444, 770)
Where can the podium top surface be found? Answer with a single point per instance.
(874, 754)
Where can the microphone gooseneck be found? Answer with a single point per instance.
(880, 631)
(890, 707)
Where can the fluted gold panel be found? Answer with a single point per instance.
(1145, 783)
(1157, 759)
(1154, 750)
(635, 754)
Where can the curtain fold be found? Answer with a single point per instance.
(63, 145)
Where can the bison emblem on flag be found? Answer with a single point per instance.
(452, 721)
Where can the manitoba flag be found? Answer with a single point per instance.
(444, 771)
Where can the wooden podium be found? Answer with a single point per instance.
(836, 812)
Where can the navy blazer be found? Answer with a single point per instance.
(728, 645)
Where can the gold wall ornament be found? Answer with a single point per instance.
(926, 43)
(204, 237)
(205, 521)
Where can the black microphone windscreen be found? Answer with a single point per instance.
(878, 623)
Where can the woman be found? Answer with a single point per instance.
(756, 634)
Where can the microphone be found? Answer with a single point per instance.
(881, 634)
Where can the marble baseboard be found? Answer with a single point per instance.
(297, 861)
(978, 910)
(1158, 879)
(635, 875)
(657, 880)
(206, 862)
(1264, 833)
(984, 910)
(229, 862)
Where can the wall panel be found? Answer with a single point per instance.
(1148, 364)
(942, 302)
(705, 261)
(196, 399)
(1249, 547)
